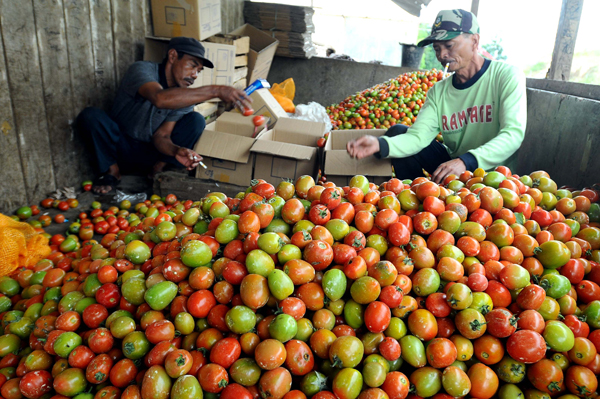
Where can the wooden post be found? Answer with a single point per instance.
(566, 36)
(475, 6)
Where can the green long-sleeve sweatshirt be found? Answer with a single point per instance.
(482, 121)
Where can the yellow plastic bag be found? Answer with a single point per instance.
(20, 245)
(284, 93)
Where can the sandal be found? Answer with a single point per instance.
(106, 180)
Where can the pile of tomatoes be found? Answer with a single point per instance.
(484, 286)
(395, 101)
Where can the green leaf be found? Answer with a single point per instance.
(520, 218)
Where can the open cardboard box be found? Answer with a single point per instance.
(262, 51)
(288, 151)
(339, 167)
(226, 150)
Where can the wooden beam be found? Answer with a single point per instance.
(56, 78)
(12, 189)
(25, 87)
(475, 6)
(566, 37)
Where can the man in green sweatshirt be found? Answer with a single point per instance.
(481, 111)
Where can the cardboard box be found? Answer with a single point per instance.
(199, 19)
(226, 150)
(208, 110)
(241, 43)
(240, 73)
(288, 151)
(241, 60)
(240, 84)
(263, 103)
(262, 51)
(339, 167)
(221, 55)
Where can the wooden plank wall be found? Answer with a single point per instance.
(56, 58)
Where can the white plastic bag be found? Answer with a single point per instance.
(314, 112)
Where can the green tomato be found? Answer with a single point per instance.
(160, 295)
(555, 285)
(11, 287)
(592, 313)
(66, 342)
(558, 336)
(270, 243)
(186, 386)
(226, 231)
(135, 345)
(427, 381)
(413, 351)
(334, 284)
(283, 327)
(259, 262)
(288, 252)
(313, 383)
(133, 290)
(240, 319)
(347, 383)
(137, 252)
(338, 228)
(280, 284)
(196, 253)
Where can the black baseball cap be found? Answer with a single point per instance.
(190, 46)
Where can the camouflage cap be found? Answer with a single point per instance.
(450, 24)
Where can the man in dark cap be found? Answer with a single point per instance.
(481, 111)
(152, 122)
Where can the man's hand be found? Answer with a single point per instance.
(363, 147)
(188, 158)
(232, 95)
(455, 166)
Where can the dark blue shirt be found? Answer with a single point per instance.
(136, 116)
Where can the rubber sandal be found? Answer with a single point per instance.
(106, 180)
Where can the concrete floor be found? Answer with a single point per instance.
(129, 185)
(176, 182)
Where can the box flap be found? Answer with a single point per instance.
(259, 41)
(339, 138)
(287, 150)
(338, 162)
(225, 146)
(297, 131)
(235, 123)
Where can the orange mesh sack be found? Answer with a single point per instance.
(20, 245)
(284, 93)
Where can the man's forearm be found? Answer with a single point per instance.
(180, 97)
(165, 145)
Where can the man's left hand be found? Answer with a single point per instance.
(455, 166)
(188, 158)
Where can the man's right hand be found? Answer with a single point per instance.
(363, 147)
(232, 95)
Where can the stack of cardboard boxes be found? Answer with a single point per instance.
(291, 25)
